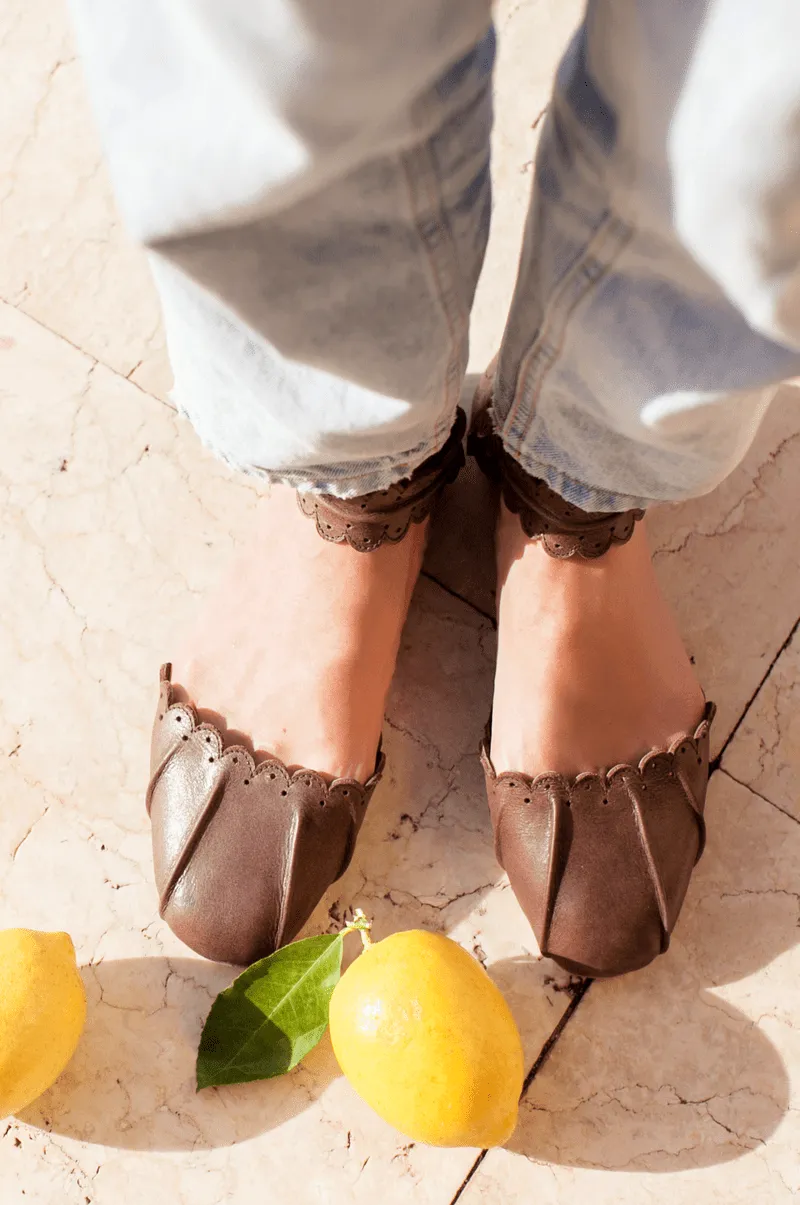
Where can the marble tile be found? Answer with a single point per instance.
(64, 257)
(115, 522)
(766, 752)
(682, 1082)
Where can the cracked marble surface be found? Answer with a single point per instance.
(766, 752)
(676, 1084)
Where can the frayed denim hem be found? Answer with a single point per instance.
(350, 479)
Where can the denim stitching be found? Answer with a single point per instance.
(602, 249)
(420, 173)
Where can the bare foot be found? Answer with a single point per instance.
(591, 669)
(297, 647)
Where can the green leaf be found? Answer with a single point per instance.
(272, 1015)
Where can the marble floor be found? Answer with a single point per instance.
(678, 1084)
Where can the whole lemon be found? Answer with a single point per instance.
(42, 1013)
(428, 1041)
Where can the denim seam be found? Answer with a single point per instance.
(436, 243)
(605, 245)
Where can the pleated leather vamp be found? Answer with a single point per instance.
(601, 863)
(243, 853)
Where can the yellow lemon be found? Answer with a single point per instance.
(42, 1012)
(428, 1041)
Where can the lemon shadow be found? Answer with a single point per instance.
(131, 1083)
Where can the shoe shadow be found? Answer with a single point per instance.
(659, 1071)
(131, 1082)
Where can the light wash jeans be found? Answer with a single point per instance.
(312, 179)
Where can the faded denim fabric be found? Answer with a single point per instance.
(312, 181)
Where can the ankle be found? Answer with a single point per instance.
(591, 669)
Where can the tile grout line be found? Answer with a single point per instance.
(717, 761)
(460, 597)
(564, 1020)
(542, 1058)
(466, 1181)
(94, 359)
(758, 794)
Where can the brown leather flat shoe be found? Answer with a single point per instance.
(243, 853)
(600, 863)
